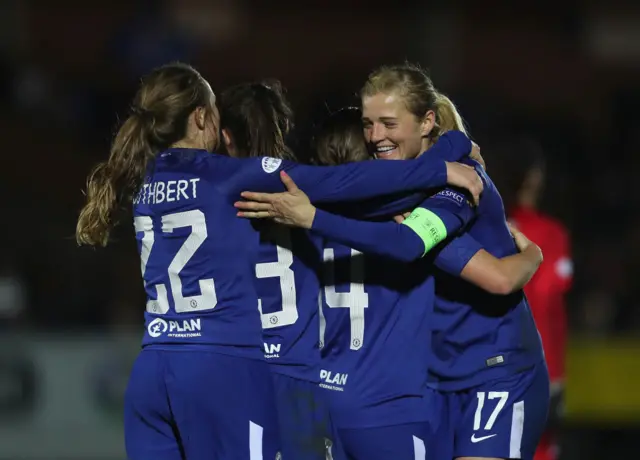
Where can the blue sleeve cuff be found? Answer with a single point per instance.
(453, 257)
(323, 220)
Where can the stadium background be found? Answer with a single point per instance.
(565, 73)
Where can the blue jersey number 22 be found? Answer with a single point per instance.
(194, 219)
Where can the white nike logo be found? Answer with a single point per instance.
(481, 438)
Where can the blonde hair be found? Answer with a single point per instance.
(158, 119)
(416, 89)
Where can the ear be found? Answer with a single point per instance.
(427, 124)
(199, 116)
(226, 138)
(229, 144)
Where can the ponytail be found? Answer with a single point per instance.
(112, 183)
(447, 116)
(158, 119)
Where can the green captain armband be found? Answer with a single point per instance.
(428, 226)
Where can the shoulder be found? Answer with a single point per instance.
(551, 226)
(554, 225)
(222, 164)
(557, 235)
(266, 165)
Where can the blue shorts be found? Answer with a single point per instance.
(502, 418)
(199, 405)
(397, 442)
(303, 415)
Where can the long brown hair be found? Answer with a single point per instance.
(157, 120)
(258, 117)
(419, 94)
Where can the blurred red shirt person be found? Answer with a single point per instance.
(545, 293)
(524, 174)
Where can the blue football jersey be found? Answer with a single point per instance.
(198, 259)
(375, 338)
(478, 336)
(376, 319)
(288, 286)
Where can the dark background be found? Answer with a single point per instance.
(564, 73)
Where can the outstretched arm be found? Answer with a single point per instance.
(358, 181)
(438, 216)
(410, 240)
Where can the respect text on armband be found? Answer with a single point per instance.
(452, 196)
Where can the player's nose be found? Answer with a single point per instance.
(377, 133)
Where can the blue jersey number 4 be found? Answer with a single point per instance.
(356, 299)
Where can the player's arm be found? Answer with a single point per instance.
(439, 216)
(423, 229)
(380, 208)
(420, 232)
(364, 180)
(392, 205)
(465, 257)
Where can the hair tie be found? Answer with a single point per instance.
(140, 112)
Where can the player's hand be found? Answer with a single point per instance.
(290, 208)
(475, 155)
(522, 242)
(401, 217)
(466, 177)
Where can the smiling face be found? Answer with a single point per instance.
(391, 131)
